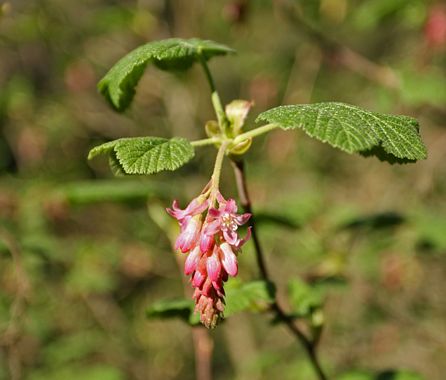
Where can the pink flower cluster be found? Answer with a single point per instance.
(212, 244)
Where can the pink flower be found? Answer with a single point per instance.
(190, 222)
(195, 207)
(226, 221)
(190, 232)
(212, 248)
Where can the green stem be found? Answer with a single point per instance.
(216, 102)
(220, 112)
(218, 164)
(208, 73)
(205, 142)
(254, 132)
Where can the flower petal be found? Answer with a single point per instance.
(231, 237)
(242, 219)
(212, 228)
(229, 259)
(245, 239)
(231, 206)
(206, 242)
(175, 211)
(220, 198)
(189, 236)
(213, 266)
(192, 261)
(213, 212)
(197, 206)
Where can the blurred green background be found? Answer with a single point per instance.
(82, 255)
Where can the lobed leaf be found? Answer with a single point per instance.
(352, 129)
(118, 85)
(252, 296)
(303, 297)
(145, 155)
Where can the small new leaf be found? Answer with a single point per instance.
(118, 85)
(303, 298)
(146, 155)
(352, 129)
(255, 296)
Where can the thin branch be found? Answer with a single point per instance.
(307, 343)
(11, 335)
(245, 201)
(203, 347)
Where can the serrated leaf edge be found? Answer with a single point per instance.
(115, 145)
(376, 139)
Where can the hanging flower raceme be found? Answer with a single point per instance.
(212, 244)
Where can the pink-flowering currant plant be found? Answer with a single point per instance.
(212, 244)
(208, 225)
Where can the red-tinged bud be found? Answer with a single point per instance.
(237, 111)
(198, 279)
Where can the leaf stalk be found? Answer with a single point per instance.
(254, 132)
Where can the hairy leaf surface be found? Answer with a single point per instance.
(118, 85)
(252, 296)
(146, 155)
(352, 129)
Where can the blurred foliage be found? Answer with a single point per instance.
(81, 259)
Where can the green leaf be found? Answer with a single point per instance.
(253, 296)
(102, 149)
(146, 155)
(304, 298)
(118, 85)
(393, 138)
(178, 308)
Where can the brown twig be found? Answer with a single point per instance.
(10, 337)
(203, 347)
(308, 344)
